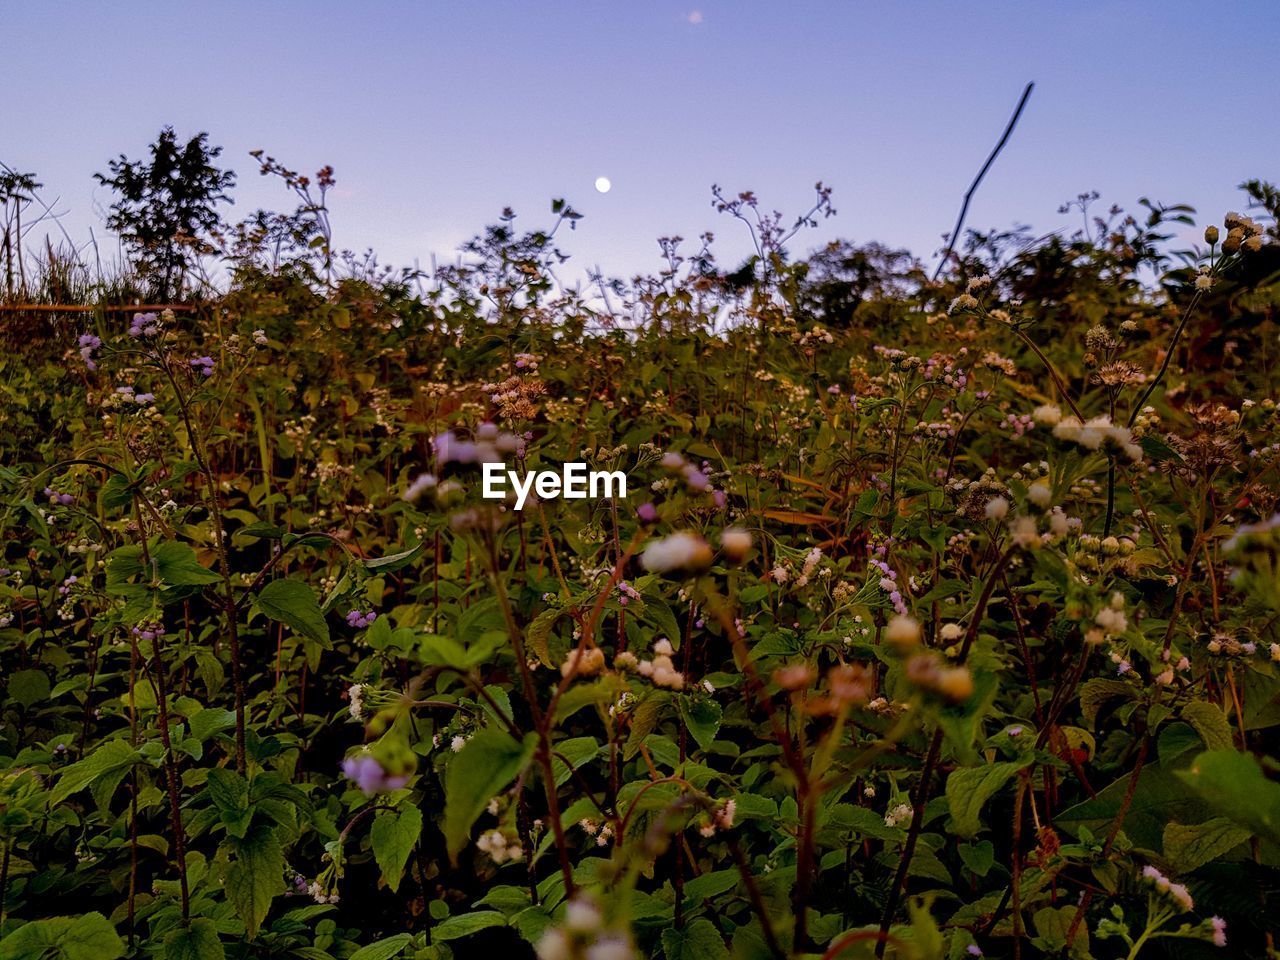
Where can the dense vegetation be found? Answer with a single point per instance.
(940, 619)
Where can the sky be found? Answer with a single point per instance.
(436, 115)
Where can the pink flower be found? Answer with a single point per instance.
(364, 770)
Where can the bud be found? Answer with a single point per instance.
(1211, 235)
(1235, 236)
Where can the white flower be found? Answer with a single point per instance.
(680, 551)
(1023, 532)
(1047, 414)
(1040, 494)
(951, 631)
(997, 508)
(554, 945)
(1111, 620)
(902, 631)
(736, 542)
(899, 814)
(581, 916)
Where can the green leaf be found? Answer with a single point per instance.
(978, 857)
(394, 836)
(697, 941)
(176, 566)
(702, 717)
(711, 884)
(1188, 847)
(293, 603)
(576, 751)
(393, 561)
(90, 937)
(383, 949)
(466, 924)
(1211, 723)
(1160, 797)
(209, 721)
(109, 758)
(1235, 787)
(229, 793)
(116, 492)
(1096, 692)
(970, 787)
(1052, 925)
(199, 941)
(87, 937)
(255, 877)
(488, 762)
(28, 687)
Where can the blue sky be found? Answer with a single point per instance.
(436, 115)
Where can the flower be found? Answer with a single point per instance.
(1048, 414)
(583, 663)
(736, 543)
(89, 346)
(647, 513)
(421, 484)
(360, 620)
(1219, 927)
(997, 508)
(367, 773)
(902, 631)
(899, 814)
(144, 325)
(681, 551)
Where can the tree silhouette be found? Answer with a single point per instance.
(166, 211)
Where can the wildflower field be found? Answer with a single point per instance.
(939, 619)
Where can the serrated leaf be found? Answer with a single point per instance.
(1235, 787)
(466, 924)
(969, 788)
(394, 835)
(256, 877)
(699, 940)
(1211, 723)
(293, 603)
(176, 566)
(487, 763)
(198, 941)
(383, 949)
(109, 757)
(1187, 847)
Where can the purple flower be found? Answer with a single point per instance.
(202, 365)
(89, 346)
(695, 478)
(360, 620)
(144, 325)
(368, 774)
(647, 513)
(449, 448)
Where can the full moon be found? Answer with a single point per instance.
(603, 184)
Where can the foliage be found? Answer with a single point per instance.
(949, 626)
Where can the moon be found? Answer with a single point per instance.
(603, 185)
